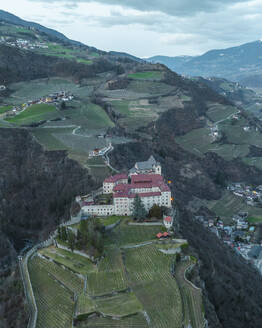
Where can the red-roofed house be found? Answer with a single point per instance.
(168, 221)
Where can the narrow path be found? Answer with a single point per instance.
(107, 161)
(227, 118)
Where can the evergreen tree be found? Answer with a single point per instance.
(139, 211)
(156, 212)
(71, 240)
(59, 232)
(63, 234)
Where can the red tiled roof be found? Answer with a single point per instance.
(165, 234)
(145, 194)
(168, 219)
(115, 178)
(159, 235)
(133, 195)
(121, 187)
(140, 178)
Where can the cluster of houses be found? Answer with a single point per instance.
(144, 179)
(252, 196)
(214, 132)
(239, 235)
(23, 44)
(53, 98)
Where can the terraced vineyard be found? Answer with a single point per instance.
(149, 274)
(110, 276)
(131, 284)
(55, 303)
(192, 298)
(135, 321)
(230, 204)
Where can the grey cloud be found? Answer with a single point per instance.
(170, 7)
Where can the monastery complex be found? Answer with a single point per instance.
(144, 179)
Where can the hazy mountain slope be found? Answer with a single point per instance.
(10, 18)
(242, 63)
(235, 92)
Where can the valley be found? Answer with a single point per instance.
(206, 135)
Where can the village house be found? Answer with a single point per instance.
(168, 221)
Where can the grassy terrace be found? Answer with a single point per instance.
(4, 109)
(34, 113)
(74, 262)
(125, 234)
(64, 276)
(217, 112)
(121, 305)
(149, 75)
(255, 219)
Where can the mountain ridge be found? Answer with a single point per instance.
(240, 63)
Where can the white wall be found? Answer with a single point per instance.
(102, 210)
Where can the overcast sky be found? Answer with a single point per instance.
(148, 27)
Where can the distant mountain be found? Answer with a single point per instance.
(10, 18)
(241, 64)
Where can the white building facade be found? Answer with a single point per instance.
(151, 188)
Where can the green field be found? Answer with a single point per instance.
(89, 116)
(149, 75)
(254, 161)
(229, 205)
(106, 221)
(254, 219)
(125, 234)
(217, 112)
(121, 106)
(152, 88)
(85, 61)
(199, 141)
(4, 109)
(35, 113)
(47, 138)
(74, 262)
